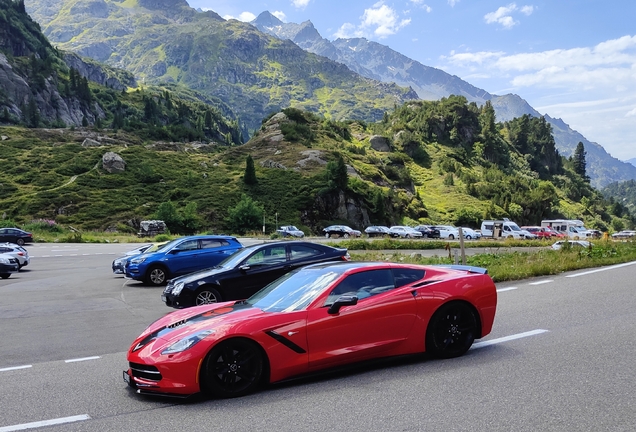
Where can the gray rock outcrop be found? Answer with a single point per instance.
(113, 163)
(380, 143)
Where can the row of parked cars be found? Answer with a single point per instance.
(13, 256)
(208, 269)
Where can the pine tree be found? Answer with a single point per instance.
(337, 177)
(250, 173)
(579, 161)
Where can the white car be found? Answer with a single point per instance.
(404, 232)
(529, 235)
(573, 243)
(447, 232)
(470, 234)
(625, 234)
(17, 252)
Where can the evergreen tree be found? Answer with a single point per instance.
(32, 114)
(337, 177)
(579, 161)
(250, 173)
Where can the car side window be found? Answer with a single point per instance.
(363, 284)
(188, 245)
(269, 255)
(213, 243)
(301, 251)
(406, 276)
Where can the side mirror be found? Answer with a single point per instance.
(345, 300)
(244, 267)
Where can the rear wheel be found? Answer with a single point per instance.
(232, 368)
(451, 331)
(20, 242)
(207, 296)
(156, 275)
(451, 237)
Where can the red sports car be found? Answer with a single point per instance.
(317, 317)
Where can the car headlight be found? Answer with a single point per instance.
(4, 260)
(187, 343)
(138, 260)
(178, 287)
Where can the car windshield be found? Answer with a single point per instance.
(514, 227)
(168, 245)
(237, 257)
(294, 291)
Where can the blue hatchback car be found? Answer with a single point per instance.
(181, 256)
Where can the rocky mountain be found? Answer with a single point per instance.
(632, 161)
(380, 62)
(163, 41)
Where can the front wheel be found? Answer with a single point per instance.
(345, 235)
(451, 331)
(232, 368)
(156, 276)
(451, 237)
(468, 237)
(207, 296)
(327, 235)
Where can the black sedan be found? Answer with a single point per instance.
(15, 235)
(377, 231)
(246, 271)
(428, 231)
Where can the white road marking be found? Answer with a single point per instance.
(508, 338)
(43, 423)
(541, 282)
(15, 368)
(81, 359)
(602, 269)
(63, 250)
(506, 289)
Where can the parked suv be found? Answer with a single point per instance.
(181, 256)
(17, 252)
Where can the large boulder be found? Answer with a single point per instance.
(380, 143)
(113, 163)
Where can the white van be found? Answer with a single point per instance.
(501, 228)
(573, 228)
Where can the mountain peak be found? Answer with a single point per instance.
(266, 19)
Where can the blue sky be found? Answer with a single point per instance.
(571, 59)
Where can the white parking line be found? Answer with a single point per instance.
(15, 368)
(43, 423)
(506, 289)
(602, 269)
(508, 338)
(81, 359)
(541, 282)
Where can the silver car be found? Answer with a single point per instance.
(18, 252)
(404, 232)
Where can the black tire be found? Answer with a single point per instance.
(451, 331)
(156, 275)
(19, 242)
(469, 237)
(232, 368)
(207, 295)
(451, 237)
(5, 275)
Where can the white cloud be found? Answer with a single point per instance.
(423, 5)
(503, 15)
(592, 88)
(280, 15)
(300, 4)
(379, 20)
(452, 3)
(244, 16)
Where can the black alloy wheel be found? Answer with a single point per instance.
(232, 368)
(20, 242)
(451, 331)
(207, 296)
(156, 275)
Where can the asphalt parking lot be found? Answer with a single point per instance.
(560, 358)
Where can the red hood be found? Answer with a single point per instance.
(221, 317)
